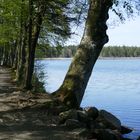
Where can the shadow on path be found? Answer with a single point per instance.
(6, 84)
(19, 121)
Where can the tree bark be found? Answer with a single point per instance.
(1, 55)
(21, 48)
(34, 30)
(72, 90)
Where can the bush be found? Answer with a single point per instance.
(38, 78)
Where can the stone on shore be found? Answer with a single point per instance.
(125, 130)
(92, 112)
(100, 125)
(107, 134)
(109, 120)
(82, 116)
(73, 123)
(70, 114)
(80, 133)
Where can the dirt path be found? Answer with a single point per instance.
(21, 120)
(6, 84)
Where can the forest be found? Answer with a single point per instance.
(27, 30)
(69, 51)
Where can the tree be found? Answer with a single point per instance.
(37, 12)
(72, 90)
(26, 19)
(8, 30)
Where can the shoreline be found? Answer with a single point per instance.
(100, 58)
(44, 117)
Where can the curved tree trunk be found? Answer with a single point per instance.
(72, 90)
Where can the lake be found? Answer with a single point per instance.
(113, 86)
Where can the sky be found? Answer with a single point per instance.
(127, 34)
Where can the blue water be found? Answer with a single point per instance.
(114, 86)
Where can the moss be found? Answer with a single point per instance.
(66, 97)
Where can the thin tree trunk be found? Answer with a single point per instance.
(21, 49)
(1, 55)
(34, 30)
(15, 61)
(72, 90)
(21, 54)
(5, 58)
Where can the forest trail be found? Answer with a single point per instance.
(25, 116)
(6, 84)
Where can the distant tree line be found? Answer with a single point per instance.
(69, 51)
(54, 52)
(120, 51)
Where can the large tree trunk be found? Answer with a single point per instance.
(72, 90)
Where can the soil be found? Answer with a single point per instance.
(25, 116)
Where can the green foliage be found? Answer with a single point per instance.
(9, 21)
(123, 10)
(20, 24)
(55, 51)
(38, 78)
(118, 51)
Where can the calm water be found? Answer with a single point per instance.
(114, 86)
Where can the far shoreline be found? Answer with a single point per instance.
(100, 58)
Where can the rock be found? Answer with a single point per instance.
(95, 125)
(73, 123)
(56, 110)
(1, 120)
(101, 125)
(80, 132)
(82, 116)
(92, 112)
(125, 130)
(70, 114)
(138, 138)
(106, 134)
(38, 122)
(109, 120)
